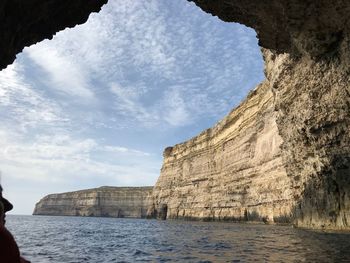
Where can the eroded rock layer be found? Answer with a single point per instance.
(233, 171)
(130, 202)
(312, 101)
(282, 156)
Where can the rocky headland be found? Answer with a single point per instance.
(128, 202)
(284, 154)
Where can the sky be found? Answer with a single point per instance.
(98, 103)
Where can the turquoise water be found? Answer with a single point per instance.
(88, 239)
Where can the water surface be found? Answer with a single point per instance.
(91, 239)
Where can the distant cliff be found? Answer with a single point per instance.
(130, 202)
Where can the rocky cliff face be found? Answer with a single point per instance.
(233, 171)
(312, 102)
(284, 154)
(131, 202)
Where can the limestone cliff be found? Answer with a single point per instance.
(312, 101)
(281, 156)
(233, 171)
(282, 159)
(131, 202)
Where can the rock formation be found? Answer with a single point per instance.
(284, 153)
(282, 159)
(130, 202)
(233, 171)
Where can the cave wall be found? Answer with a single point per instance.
(313, 118)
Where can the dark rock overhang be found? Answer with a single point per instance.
(314, 28)
(26, 22)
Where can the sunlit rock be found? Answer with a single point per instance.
(128, 202)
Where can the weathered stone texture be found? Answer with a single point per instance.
(131, 202)
(313, 105)
(233, 171)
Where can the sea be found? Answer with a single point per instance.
(95, 239)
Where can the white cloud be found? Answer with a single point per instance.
(118, 149)
(144, 49)
(65, 74)
(22, 105)
(62, 158)
(175, 111)
(145, 35)
(127, 103)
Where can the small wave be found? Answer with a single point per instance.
(140, 253)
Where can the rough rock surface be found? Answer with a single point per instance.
(312, 101)
(233, 171)
(26, 22)
(131, 202)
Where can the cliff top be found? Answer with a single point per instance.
(221, 125)
(106, 189)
